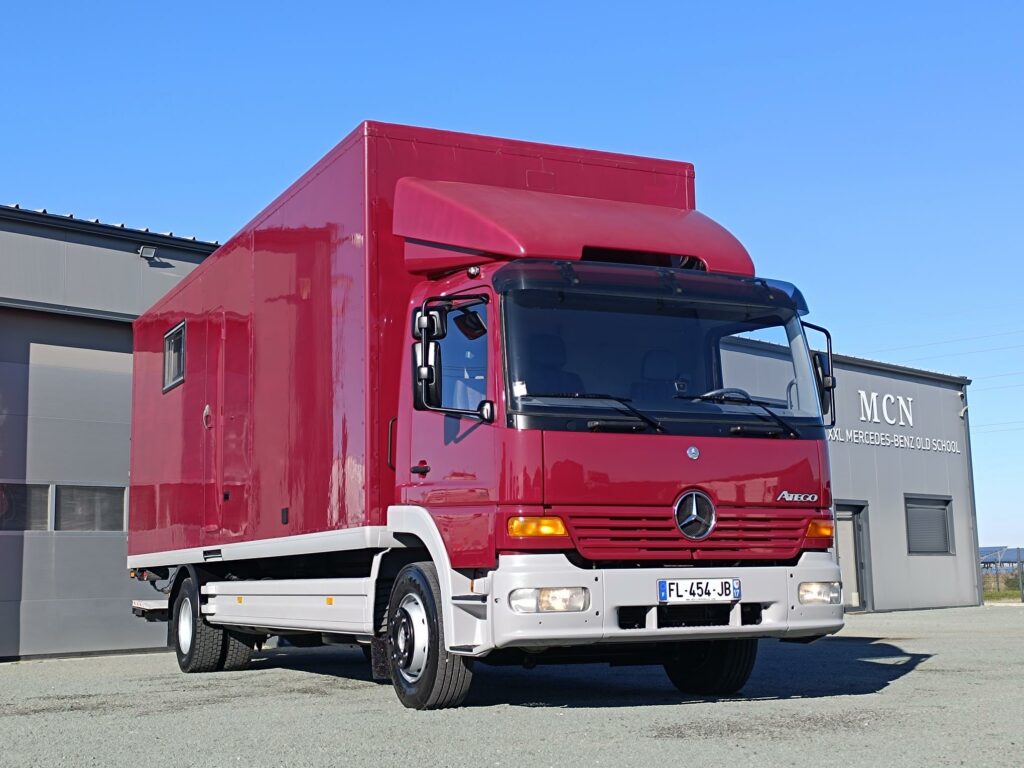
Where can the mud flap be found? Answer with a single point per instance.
(379, 658)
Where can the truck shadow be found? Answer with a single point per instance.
(342, 661)
(854, 666)
(834, 666)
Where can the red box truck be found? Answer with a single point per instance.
(464, 400)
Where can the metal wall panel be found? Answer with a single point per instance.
(71, 377)
(881, 462)
(65, 408)
(65, 393)
(31, 265)
(84, 271)
(76, 596)
(11, 565)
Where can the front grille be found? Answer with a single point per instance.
(646, 533)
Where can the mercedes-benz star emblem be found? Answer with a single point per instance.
(695, 515)
(693, 452)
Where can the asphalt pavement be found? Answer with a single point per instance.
(943, 687)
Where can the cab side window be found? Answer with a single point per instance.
(463, 353)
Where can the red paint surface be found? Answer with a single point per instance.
(298, 340)
(513, 223)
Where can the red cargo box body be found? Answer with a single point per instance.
(296, 330)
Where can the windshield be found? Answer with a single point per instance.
(659, 348)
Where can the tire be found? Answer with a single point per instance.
(712, 667)
(424, 674)
(237, 651)
(198, 646)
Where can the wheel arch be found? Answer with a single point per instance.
(416, 522)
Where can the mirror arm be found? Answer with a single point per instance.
(448, 302)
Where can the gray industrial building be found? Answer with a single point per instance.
(906, 526)
(69, 288)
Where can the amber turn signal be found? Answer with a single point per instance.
(536, 526)
(819, 529)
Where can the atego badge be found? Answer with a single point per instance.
(787, 496)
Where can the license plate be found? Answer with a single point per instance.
(699, 590)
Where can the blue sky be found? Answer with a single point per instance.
(870, 152)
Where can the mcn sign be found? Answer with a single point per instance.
(895, 409)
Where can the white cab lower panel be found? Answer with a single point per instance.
(325, 605)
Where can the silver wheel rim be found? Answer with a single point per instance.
(410, 638)
(185, 626)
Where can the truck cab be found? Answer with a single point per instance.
(620, 449)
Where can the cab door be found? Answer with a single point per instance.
(451, 467)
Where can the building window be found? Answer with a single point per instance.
(89, 508)
(24, 507)
(174, 356)
(929, 526)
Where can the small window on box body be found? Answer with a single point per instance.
(174, 356)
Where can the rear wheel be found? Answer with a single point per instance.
(425, 675)
(712, 667)
(198, 646)
(237, 651)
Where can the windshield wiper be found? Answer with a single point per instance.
(739, 396)
(624, 402)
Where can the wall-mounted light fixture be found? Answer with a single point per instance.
(148, 252)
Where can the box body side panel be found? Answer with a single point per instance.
(276, 348)
(310, 358)
(166, 496)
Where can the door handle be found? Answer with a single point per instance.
(391, 441)
(420, 469)
(207, 421)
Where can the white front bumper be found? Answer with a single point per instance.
(773, 588)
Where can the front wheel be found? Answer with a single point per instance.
(424, 673)
(712, 667)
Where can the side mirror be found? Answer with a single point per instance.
(826, 381)
(823, 367)
(432, 324)
(486, 411)
(427, 365)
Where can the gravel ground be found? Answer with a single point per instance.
(924, 688)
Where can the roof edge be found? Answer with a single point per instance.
(948, 378)
(96, 227)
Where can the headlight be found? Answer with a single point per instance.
(821, 593)
(549, 599)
